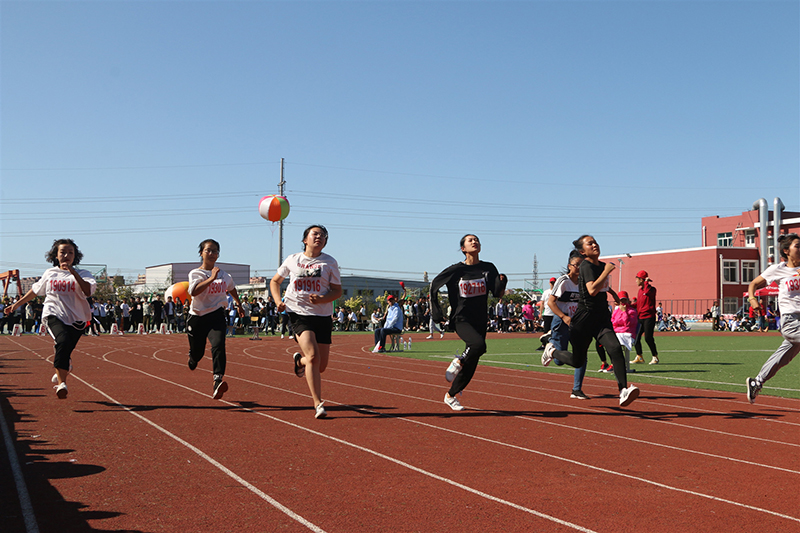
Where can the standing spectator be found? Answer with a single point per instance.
(626, 321)
(646, 308)
(157, 307)
(126, 315)
(715, 314)
(171, 313)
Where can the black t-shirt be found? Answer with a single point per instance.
(468, 288)
(597, 304)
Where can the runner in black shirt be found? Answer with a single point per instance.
(468, 286)
(592, 320)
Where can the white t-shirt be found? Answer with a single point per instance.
(546, 311)
(215, 295)
(788, 286)
(307, 276)
(565, 292)
(64, 298)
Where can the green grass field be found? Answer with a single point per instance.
(717, 362)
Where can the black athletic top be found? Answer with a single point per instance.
(597, 304)
(468, 288)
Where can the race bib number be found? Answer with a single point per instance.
(313, 285)
(469, 288)
(62, 285)
(793, 286)
(217, 287)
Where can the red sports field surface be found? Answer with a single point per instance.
(139, 445)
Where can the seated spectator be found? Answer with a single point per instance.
(393, 325)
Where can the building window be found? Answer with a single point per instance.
(730, 305)
(725, 240)
(750, 238)
(730, 271)
(749, 271)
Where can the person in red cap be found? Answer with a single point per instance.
(547, 314)
(646, 307)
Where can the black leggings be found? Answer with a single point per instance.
(583, 328)
(475, 338)
(212, 327)
(66, 338)
(646, 328)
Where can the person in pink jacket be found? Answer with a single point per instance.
(625, 320)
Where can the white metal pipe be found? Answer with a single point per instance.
(763, 217)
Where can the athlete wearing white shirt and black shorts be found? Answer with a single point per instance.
(209, 287)
(66, 309)
(314, 284)
(787, 274)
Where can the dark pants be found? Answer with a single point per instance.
(646, 328)
(381, 334)
(212, 327)
(475, 338)
(547, 322)
(66, 338)
(583, 328)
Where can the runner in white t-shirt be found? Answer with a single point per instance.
(787, 274)
(66, 309)
(209, 287)
(314, 284)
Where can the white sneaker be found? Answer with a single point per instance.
(627, 396)
(654, 360)
(441, 335)
(547, 355)
(61, 391)
(453, 402)
(320, 411)
(453, 370)
(429, 337)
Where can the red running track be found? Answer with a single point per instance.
(139, 445)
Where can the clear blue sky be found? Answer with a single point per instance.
(141, 128)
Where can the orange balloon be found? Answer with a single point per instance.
(179, 291)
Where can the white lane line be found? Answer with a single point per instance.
(350, 444)
(504, 444)
(28, 515)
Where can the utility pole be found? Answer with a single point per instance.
(280, 224)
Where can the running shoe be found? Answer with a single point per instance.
(547, 356)
(429, 336)
(578, 395)
(61, 391)
(639, 359)
(605, 367)
(299, 370)
(192, 363)
(544, 339)
(627, 396)
(752, 389)
(654, 361)
(320, 411)
(453, 403)
(220, 387)
(453, 370)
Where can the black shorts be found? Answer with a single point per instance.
(320, 325)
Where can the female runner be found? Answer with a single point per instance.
(209, 287)
(66, 308)
(787, 274)
(592, 319)
(314, 284)
(468, 286)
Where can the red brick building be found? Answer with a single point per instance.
(730, 255)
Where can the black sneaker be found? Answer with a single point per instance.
(220, 387)
(299, 370)
(578, 395)
(192, 363)
(752, 389)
